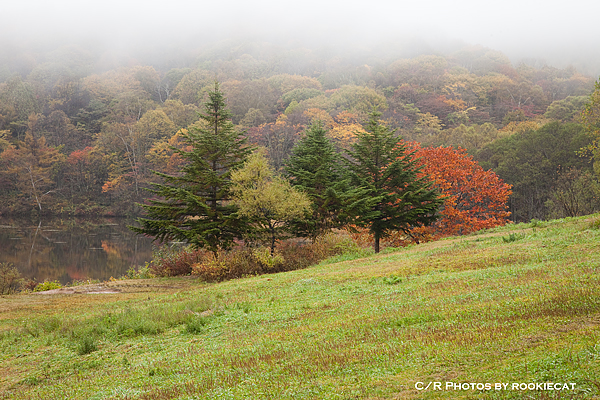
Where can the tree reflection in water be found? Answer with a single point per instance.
(64, 250)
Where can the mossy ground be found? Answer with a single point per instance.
(485, 308)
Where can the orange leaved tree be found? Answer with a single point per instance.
(474, 198)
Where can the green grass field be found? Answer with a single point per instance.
(515, 305)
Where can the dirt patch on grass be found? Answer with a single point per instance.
(84, 289)
(124, 286)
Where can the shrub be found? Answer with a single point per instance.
(298, 255)
(339, 243)
(244, 262)
(263, 256)
(29, 285)
(211, 268)
(171, 261)
(236, 263)
(289, 255)
(10, 278)
(47, 285)
(140, 272)
(364, 239)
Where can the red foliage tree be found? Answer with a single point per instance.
(475, 198)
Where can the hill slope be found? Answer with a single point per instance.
(519, 304)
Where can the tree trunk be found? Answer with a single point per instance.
(272, 241)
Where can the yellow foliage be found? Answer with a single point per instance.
(456, 104)
(346, 117)
(287, 83)
(316, 114)
(266, 198)
(112, 184)
(159, 154)
(263, 255)
(519, 127)
(429, 121)
(344, 135)
(281, 120)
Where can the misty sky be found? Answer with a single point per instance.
(552, 30)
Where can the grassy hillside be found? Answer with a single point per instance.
(518, 304)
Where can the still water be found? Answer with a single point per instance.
(68, 249)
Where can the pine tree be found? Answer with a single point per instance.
(315, 169)
(397, 198)
(196, 204)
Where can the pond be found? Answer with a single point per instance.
(72, 249)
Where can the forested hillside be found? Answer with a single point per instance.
(80, 133)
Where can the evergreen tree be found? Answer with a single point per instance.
(196, 204)
(397, 198)
(315, 169)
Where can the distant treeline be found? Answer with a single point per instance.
(78, 142)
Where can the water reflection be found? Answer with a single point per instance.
(65, 250)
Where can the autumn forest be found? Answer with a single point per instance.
(81, 136)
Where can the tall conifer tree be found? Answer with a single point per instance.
(196, 204)
(316, 169)
(397, 198)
